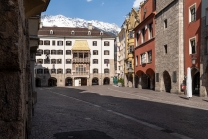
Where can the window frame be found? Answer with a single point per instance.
(93, 61)
(58, 61)
(106, 51)
(106, 43)
(46, 42)
(68, 52)
(69, 44)
(59, 43)
(190, 46)
(94, 43)
(95, 52)
(193, 6)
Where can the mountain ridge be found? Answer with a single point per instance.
(62, 21)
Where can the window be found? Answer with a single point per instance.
(68, 52)
(68, 43)
(59, 61)
(94, 43)
(143, 58)
(53, 43)
(150, 31)
(40, 42)
(106, 43)
(143, 35)
(59, 52)
(46, 71)
(131, 34)
(165, 23)
(68, 71)
(46, 51)
(106, 61)
(95, 52)
(46, 61)
(149, 56)
(75, 55)
(136, 60)
(51, 31)
(89, 33)
(72, 32)
(53, 71)
(130, 49)
(60, 43)
(192, 13)
(101, 33)
(106, 70)
(119, 67)
(130, 64)
(53, 61)
(192, 46)
(106, 52)
(46, 42)
(137, 39)
(39, 71)
(53, 52)
(166, 49)
(95, 61)
(207, 16)
(39, 52)
(68, 61)
(80, 68)
(59, 71)
(95, 71)
(39, 61)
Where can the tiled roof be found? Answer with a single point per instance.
(67, 32)
(80, 45)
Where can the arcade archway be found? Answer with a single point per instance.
(38, 82)
(106, 81)
(52, 82)
(95, 81)
(167, 81)
(68, 81)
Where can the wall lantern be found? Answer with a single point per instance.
(193, 60)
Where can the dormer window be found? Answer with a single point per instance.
(51, 31)
(89, 33)
(101, 33)
(72, 32)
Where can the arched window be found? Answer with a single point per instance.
(51, 31)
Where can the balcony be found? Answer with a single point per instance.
(80, 73)
(81, 60)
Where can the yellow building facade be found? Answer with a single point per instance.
(131, 22)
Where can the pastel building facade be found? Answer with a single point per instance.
(74, 57)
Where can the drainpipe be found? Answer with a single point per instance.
(101, 63)
(64, 70)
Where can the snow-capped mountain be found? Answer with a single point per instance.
(62, 21)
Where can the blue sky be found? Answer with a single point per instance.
(112, 11)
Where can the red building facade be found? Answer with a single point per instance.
(145, 47)
(192, 41)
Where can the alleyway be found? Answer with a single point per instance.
(108, 112)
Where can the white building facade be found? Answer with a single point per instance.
(74, 57)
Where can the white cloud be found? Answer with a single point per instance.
(102, 4)
(89, 0)
(137, 3)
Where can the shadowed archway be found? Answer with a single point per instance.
(167, 81)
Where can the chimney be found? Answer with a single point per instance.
(41, 24)
(89, 26)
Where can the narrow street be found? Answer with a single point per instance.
(108, 112)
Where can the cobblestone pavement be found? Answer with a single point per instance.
(109, 112)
